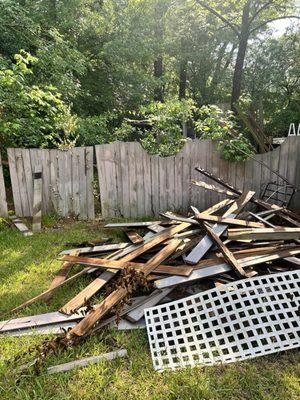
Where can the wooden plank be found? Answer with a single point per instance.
(37, 199)
(89, 173)
(214, 188)
(155, 187)
(3, 202)
(97, 249)
(223, 220)
(184, 270)
(61, 276)
(47, 319)
(132, 165)
(86, 361)
(218, 206)
(82, 184)
(227, 254)
(19, 224)
(75, 181)
(205, 244)
(27, 176)
(54, 173)
(117, 295)
(11, 154)
(264, 234)
(134, 237)
(140, 185)
(141, 224)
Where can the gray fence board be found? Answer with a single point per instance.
(3, 202)
(133, 183)
(67, 181)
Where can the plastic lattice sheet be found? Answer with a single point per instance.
(237, 321)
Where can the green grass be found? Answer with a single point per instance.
(27, 266)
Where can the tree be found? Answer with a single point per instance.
(251, 16)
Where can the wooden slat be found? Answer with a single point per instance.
(3, 202)
(85, 361)
(37, 199)
(11, 153)
(184, 270)
(223, 220)
(228, 256)
(61, 276)
(264, 234)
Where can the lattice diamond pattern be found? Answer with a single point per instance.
(236, 321)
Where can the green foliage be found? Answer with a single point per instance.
(164, 137)
(95, 130)
(222, 127)
(32, 116)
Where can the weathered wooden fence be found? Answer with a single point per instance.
(67, 181)
(3, 203)
(133, 183)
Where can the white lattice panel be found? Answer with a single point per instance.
(237, 321)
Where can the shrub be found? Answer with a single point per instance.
(222, 127)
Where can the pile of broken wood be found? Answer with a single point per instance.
(239, 238)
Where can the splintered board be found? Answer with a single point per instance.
(236, 321)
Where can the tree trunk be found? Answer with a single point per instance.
(239, 64)
(53, 10)
(158, 73)
(182, 79)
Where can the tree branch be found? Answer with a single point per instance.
(220, 16)
(259, 10)
(271, 20)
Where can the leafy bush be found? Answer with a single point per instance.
(95, 130)
(32, 116)
(164, 137)
(222, 127)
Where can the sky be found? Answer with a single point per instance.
(281, 25)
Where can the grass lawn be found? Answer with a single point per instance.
(27, 266)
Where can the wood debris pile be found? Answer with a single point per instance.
(173, 258)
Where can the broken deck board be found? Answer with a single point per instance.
(264, 234)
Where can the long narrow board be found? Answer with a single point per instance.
(264, 234)
(37, 199)
(119, 265)
(19, 224)
(227, 254)
(3, 202)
